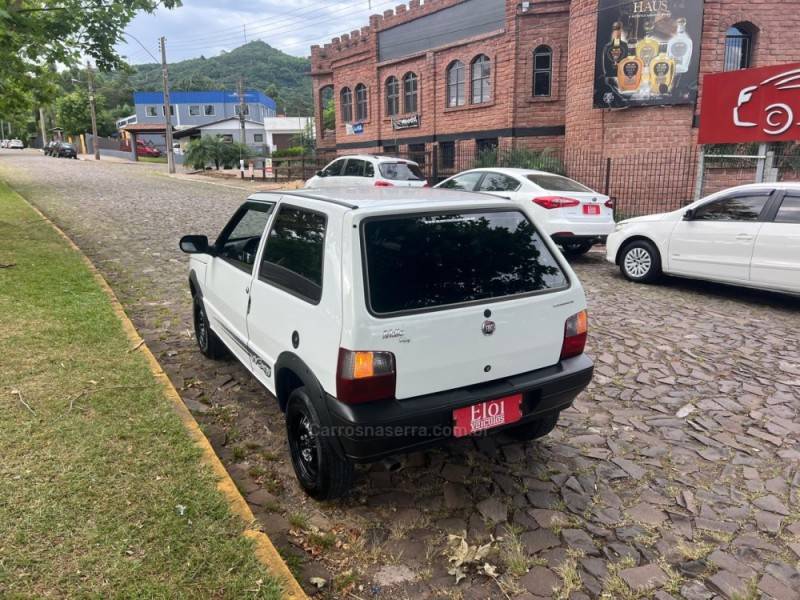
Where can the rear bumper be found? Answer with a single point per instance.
(577, 229)
(369, 432)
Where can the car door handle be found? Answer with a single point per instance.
(247, 290)
(745, 237)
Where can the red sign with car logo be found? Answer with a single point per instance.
(751, 105)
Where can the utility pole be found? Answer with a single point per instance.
(93, 110)
(167, 107)
(242, 137)
(43, 126)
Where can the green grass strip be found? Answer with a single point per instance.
(107, 498)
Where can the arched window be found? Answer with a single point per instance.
(738, 47)
(410, 90)
(456, 84)
(481, 80)
(347, 105)
(392, 96)
(361, 102)
(542, 71)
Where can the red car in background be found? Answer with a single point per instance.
(143, 149)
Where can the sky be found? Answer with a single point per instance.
(206, 27)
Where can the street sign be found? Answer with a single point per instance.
(751, 105)
(268, 167)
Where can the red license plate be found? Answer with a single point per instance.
(487, 415)
(591, 209)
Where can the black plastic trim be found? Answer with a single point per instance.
(545, 391)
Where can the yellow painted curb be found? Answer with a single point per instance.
(264, 550)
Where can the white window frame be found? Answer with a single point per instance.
(151, 111)
(192, 108)
(213, 112)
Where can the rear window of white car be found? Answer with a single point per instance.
(401, 171)
(556, 183)
(424, 262)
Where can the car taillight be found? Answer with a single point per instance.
(610, 204)
(365, 376)
(575, 330)
(382, 183)
(551, 202)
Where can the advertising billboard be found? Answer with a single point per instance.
(751, 105)
(647, 53)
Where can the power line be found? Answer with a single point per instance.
(271, 30)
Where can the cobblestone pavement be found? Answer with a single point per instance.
(676, 474)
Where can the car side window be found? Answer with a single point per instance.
(733, 208)
(789, 212)
(354, 168)
(465, 182)
(369, 169)
(335, 168)
(240, 239)
(497, 182)
(294, 253)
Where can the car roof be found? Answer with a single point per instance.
(777, 185)
(377, 157)
(510, 171)
(366, 198)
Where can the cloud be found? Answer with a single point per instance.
(207, 27)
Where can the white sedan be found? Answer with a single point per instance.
(572, 214)
(747, 235)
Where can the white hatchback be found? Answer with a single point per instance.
(386, 321)
(365, 170)
(747, 235)
(575, 216)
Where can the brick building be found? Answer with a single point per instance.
(459, 74)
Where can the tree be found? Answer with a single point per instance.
(72, 113)
(213, 149)
(305, 139)
(36, 36)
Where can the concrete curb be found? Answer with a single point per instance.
(264, 550)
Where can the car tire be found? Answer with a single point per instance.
(535, 429)
(322, 473)
(576, 248)
(640, 262)
(208, 342)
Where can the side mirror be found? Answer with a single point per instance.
(194, 244)
(320, 173)
(688, 215)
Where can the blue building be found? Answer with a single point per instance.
(190, 109)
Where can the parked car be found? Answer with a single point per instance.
(389, 320)
(65, 150)
(16, 145)
(575, 216)
(747, 235)
(365, 170)
(143, 149)
(48, 149)
(4, 143)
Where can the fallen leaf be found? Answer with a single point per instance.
(317, 582)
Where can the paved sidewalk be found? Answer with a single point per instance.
(676, 474)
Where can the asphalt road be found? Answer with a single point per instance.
(676, 474)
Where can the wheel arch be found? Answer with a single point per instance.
(292, 372)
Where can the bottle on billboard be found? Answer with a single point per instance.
(616, 50)
(679, 48)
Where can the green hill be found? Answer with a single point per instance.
(279, 75)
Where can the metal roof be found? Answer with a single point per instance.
(204, 97)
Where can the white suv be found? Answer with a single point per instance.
(575, 216)
(365, 170)
(389, 320)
